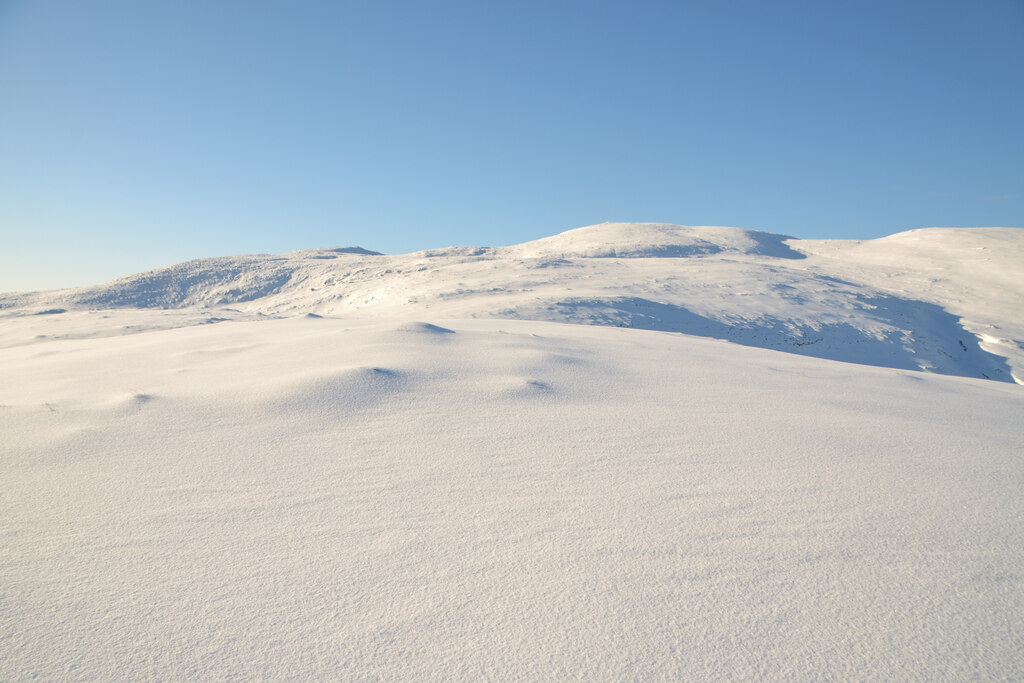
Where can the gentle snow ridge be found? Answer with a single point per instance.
(949, 301)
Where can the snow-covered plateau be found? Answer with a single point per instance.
(628, 451)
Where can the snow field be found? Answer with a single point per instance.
(399, 499)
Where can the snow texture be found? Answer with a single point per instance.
(336, 464)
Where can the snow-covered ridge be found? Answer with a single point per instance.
(654, 240)
(942, 300)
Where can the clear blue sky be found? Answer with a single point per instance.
(139, 134)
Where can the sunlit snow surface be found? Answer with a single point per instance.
(435, 477)
(941, 300)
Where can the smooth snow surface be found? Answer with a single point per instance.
(338, 465)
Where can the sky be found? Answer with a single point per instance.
(135, 135)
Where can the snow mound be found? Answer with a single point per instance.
(339, 393)
(424, 328)
(654, 240)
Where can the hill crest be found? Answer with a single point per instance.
(941, 300)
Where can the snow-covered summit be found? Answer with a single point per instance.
(653, 240)
(942, 300)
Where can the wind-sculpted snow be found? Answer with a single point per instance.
(214, 282)
(947, 301)
(421, 498)
(203, 282)
(894, 333)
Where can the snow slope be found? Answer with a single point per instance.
(949, 301)
(362, 474)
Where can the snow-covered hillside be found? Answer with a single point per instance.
(949, 301)
(335, 464)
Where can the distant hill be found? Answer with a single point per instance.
(941, 300)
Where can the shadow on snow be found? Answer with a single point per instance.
(907, 334)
